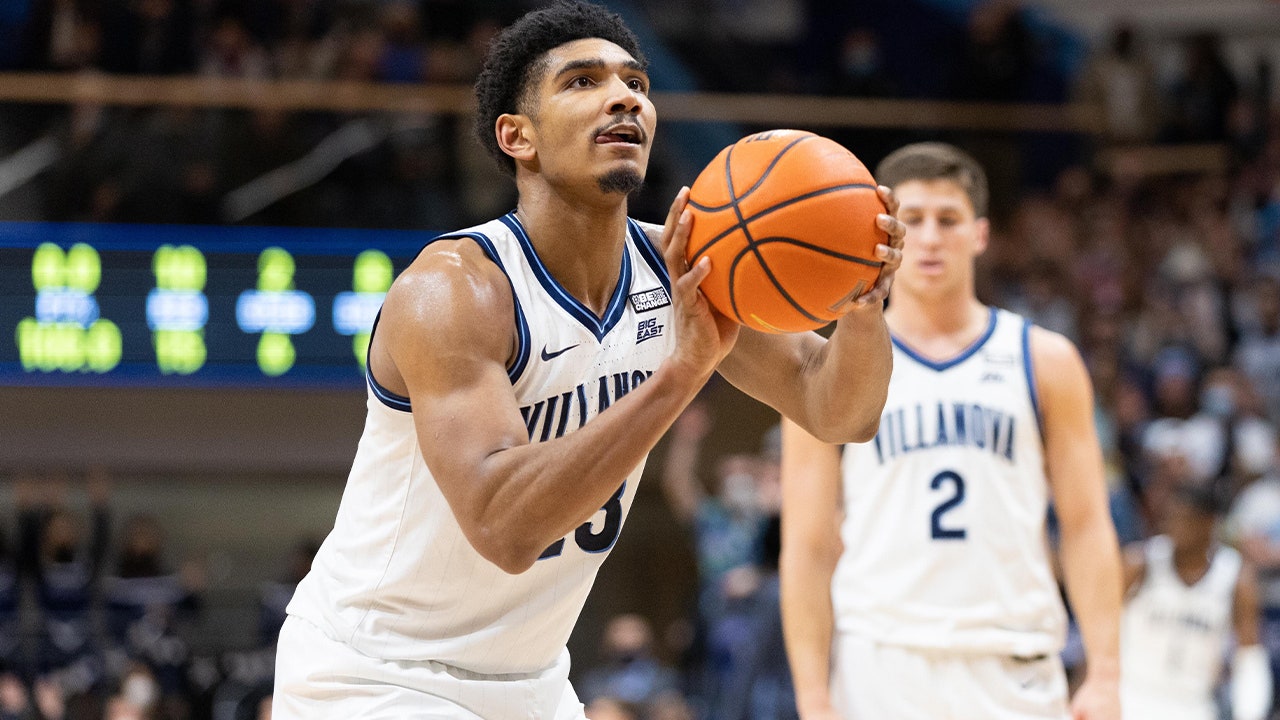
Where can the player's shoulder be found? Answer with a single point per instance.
(1053, 355)
(454, 275)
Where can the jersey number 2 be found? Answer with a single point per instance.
(594, 541)
(952, 478)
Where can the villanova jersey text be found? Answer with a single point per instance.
(550, 418)
(909, 429)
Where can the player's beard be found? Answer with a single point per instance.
(621, 180)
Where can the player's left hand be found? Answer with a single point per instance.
(890, 255)
(1096, 699)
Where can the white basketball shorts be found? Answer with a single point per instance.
(872, 681)
(319, 678)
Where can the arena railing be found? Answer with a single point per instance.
(752, 109)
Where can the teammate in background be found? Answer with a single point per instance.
(942, 601)
(1187, 596)
(519, 375)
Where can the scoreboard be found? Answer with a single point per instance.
(192, 305)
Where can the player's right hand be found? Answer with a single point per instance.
(703, 335)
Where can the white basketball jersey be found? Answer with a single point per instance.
(944, 536)
(1173, 635)
(396, 578)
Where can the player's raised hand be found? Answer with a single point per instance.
(703, 335)
(891, 254)
(1097, 699)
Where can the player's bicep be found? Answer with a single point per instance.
(448, 327)
(1073, 456)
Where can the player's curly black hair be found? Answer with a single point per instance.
(516, 60)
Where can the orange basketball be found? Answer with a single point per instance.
(788, 219)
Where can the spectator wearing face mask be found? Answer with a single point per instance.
(63, 561)
(146, 603)
(628, 670)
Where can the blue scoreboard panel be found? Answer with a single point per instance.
(184, 305)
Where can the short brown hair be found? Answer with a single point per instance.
(936, 161)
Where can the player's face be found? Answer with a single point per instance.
(943, 236)
(592, 121)
(1190, 529)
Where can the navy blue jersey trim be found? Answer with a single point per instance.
(964, 354)
(599, 326)
(388, 398)
(521, 361)
(1031, 374)
(517, 367)
(651, 256)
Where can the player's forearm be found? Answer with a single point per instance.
(1091, 566)
(808, 623)
(541, 492)
(846, 382)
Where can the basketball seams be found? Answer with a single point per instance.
(774, 208)
(764, 266)
(733, 290)
(733, 200)
(835, 254)
(745, 227)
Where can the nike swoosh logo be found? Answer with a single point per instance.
(549, 355)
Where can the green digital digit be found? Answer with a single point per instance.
(162, 266)
(275, 270)
(28, 344)
(84, 268)
(180, 352)
(47, 347)
(372, 272)
(103, 346)
(48, 265)
(179, 268)
(195, 270)
(275, 354)
(65, 344)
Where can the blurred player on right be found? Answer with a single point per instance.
(917, 581)
(1188, 596)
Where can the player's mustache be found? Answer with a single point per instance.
(623, 118)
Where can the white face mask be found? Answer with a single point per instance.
(140, 691)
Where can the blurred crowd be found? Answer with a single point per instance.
(97, 616)
(1167, 279)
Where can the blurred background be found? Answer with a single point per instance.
(202, 201)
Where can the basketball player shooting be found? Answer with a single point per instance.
(518, 376)
(920, 558)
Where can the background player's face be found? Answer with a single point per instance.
(1189, 528)
(592, 121)
(943, 237)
